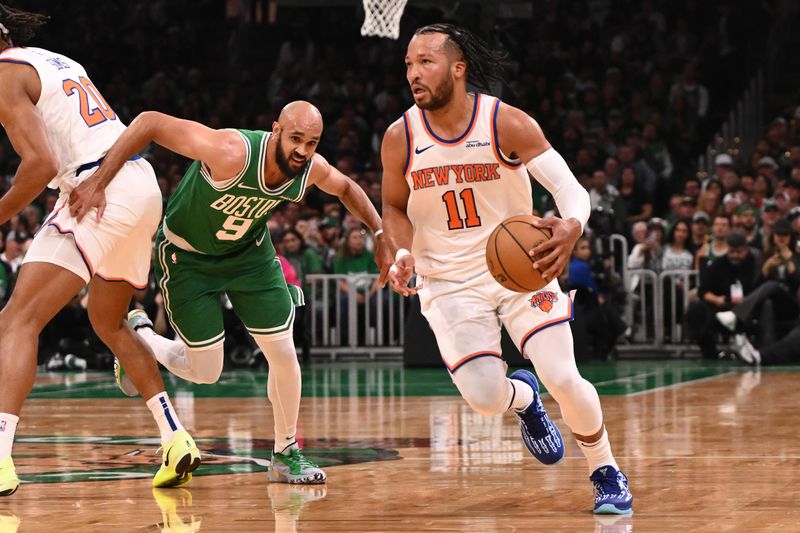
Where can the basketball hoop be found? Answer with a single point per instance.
(382, 18)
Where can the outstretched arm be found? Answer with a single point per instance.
(19, 87)
(521, 137)
(223, 151)
(399, 266)
(329, 179)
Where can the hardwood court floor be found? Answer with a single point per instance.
(707, 448)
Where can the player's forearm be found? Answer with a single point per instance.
(31, 178)
(397, 228)
(572, 200)
(357, 202)
(132, 141)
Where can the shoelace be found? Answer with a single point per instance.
(536, 430)
(606, 485)
(298, 457)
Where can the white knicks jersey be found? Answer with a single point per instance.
(460, 190)
(80, 125)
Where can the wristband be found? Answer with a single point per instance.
(378, 233)
(402, 252)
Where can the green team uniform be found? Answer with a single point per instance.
(214, 238)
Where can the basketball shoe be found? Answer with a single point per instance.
(9, 482)
(291, 466)
(136, 319)
(611, 492)
(540, 435)
(180, 458)
(169, 501)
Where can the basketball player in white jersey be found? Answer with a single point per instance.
(61, 127)
(455, 165)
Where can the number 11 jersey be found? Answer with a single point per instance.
(460, 190)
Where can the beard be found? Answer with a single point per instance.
(282, 159)
(440, 96)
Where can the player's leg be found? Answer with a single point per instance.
(42, 289)
(108, 305)
(551, 352)
(266, 305)
(467, 330)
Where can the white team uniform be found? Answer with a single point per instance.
(81, 128)
(460, 190)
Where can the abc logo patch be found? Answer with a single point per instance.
(544, 300)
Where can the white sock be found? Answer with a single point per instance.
(523, 395)
(8, 427)
(283, 387)
(598, 453)
(171, 354)
(165, 415)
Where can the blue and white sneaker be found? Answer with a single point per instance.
(611, 492)
(540, 435)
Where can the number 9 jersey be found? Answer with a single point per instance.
(81, 127)
(460, 190)
(221, 217)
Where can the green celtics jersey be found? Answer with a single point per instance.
(218, 218)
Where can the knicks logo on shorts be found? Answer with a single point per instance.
(544, 300)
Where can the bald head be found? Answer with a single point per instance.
(298, 131)
(301, 116)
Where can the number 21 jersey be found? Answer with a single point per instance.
(460, 190)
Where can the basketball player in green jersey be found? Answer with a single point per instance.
(214, 238)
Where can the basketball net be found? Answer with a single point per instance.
(382, 18)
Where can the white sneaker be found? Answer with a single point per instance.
(745, 350)
(727, 319)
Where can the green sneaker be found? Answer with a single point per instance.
(294, 468)
(136, 319)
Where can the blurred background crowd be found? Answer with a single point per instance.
(630, 95)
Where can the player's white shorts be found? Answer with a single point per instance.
(119, 247)
(466, 316)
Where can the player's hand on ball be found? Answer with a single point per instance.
(400, 275)
(552, 256)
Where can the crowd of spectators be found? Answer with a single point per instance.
(628, 99)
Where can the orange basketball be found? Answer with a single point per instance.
(507, 253)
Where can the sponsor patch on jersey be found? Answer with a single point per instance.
(544, 300)
(476, 144)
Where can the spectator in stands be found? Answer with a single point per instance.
(608, 210)
(717, 245)
(692, 188)
(725, 283)
(723, 163)
(354, 258)
(637, 203)
(762, 190)
(700, 224)
(782, 262)
(695, 93)
(602, 321)
(769, 216)
(304, 261)
(676, 255)
(747, 222)
(330, 233)
(730, 203)
(708, 203)
(647, 254)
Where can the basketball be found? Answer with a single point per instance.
(507, 253)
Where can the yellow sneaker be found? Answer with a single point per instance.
(180, 458)
(169, 501)
(9, 482)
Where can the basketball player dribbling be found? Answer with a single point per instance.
(61, 127)
(455, 167)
